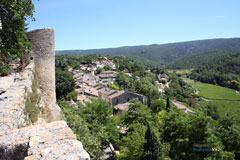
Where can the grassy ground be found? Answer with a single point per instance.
(210, 91)
(223, 107)
(216, 92)
(182, 71)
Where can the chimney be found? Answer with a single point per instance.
(125, 88)
(93, 73)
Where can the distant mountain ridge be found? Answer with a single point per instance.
(164, 53)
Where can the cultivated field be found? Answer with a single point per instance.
(210, 91)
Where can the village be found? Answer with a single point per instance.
(91, 84)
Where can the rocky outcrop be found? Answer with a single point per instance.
(45, 141)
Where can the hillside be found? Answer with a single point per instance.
(223, 70)
(165, 53)
(195, 61)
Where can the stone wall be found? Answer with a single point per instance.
(41, 141)
(13, 89)
(45, 141)
(124, 97)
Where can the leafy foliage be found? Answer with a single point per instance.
(72, 96)
(122, 80)
(152, 147)
(14, 41)
(183, 132)
(90, 140)
(146, 87)
(64, 83)
(178, 88)
(98, 115)
(138, 113)
(132, 145)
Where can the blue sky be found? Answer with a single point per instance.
(88, 24)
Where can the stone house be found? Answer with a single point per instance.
(124, 96)
(107, 77)
(163, 77)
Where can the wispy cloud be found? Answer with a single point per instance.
(220, 17)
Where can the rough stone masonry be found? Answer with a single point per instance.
(43, 54)
(43, 141)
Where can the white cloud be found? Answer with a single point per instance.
(220, 16)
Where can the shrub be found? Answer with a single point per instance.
(31, 106)
(180, 98)
(72, 96)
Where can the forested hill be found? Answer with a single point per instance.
(165, 53)
(199, 60)
(223, 70)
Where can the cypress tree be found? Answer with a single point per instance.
(152, 147)
(168, 105)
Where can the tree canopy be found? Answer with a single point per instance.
(14, 15)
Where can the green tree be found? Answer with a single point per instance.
(14, 42)
(168, 105)
(137, 113)
(152, 147)
(64, 83)
(98, 114)
(230, 135)
(91, 140)
(132, 145)
(145, 87)
(99, 70)
(184, 131)
(106, 67)
(158, 105)
(212, 111)
(72, 96)
(122, 80)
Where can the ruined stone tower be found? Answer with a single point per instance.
(43, 55)
(43, 140)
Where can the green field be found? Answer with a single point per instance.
(223, 107)
(210, 91)
(181, 71)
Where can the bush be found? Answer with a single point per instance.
(180, 98)
(4, 69)
(72, 96)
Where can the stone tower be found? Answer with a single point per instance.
(43, 55)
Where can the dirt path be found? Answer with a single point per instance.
(210, 99)
(182, 107)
